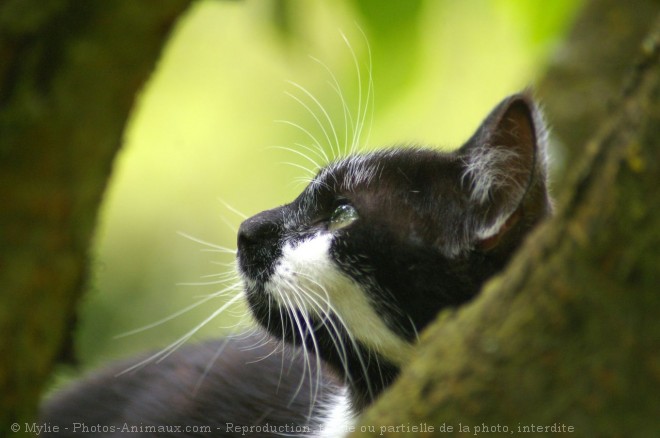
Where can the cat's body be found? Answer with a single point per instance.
(225, 388)
(357, 265)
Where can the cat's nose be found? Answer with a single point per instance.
(259, 229)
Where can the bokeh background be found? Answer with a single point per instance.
(202, 141)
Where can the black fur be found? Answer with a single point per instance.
(221, 385)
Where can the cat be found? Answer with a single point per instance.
(341, 280)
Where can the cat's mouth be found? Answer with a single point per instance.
(286, 322)
(305, 298)
(286, 289)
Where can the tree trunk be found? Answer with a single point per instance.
(568, 336)
(69, 73)
(585, 76)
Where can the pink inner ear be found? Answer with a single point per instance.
(492, 241)
(515, 132)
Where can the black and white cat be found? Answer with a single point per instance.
(346, 275)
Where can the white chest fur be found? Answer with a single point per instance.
(338, 418)
(307, 279)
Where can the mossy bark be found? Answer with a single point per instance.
(568, 335)
(69, 75)
(584, 76)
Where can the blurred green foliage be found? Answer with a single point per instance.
(204, 127)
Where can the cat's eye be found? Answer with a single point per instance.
(343, 216)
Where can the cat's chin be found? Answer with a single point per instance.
(365, 371)
(294, 326)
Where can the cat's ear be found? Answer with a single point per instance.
(505, 170)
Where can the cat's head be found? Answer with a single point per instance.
(379, 243)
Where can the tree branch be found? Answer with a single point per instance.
(69, 75)
(585, 76)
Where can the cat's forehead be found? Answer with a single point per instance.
(396, 167)
(349, 173)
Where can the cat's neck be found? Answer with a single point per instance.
(366, 376)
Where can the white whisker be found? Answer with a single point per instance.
(202, 283)
(230, 224)
(298, 166)
(304, 131)
(362, 109)
(175, 314)
(298, 296)
(171, 348)
(319, 153)
(232, 209)
(209, 366)
(323, 111)
(213, 246)
(301, 154)
(348, 116)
